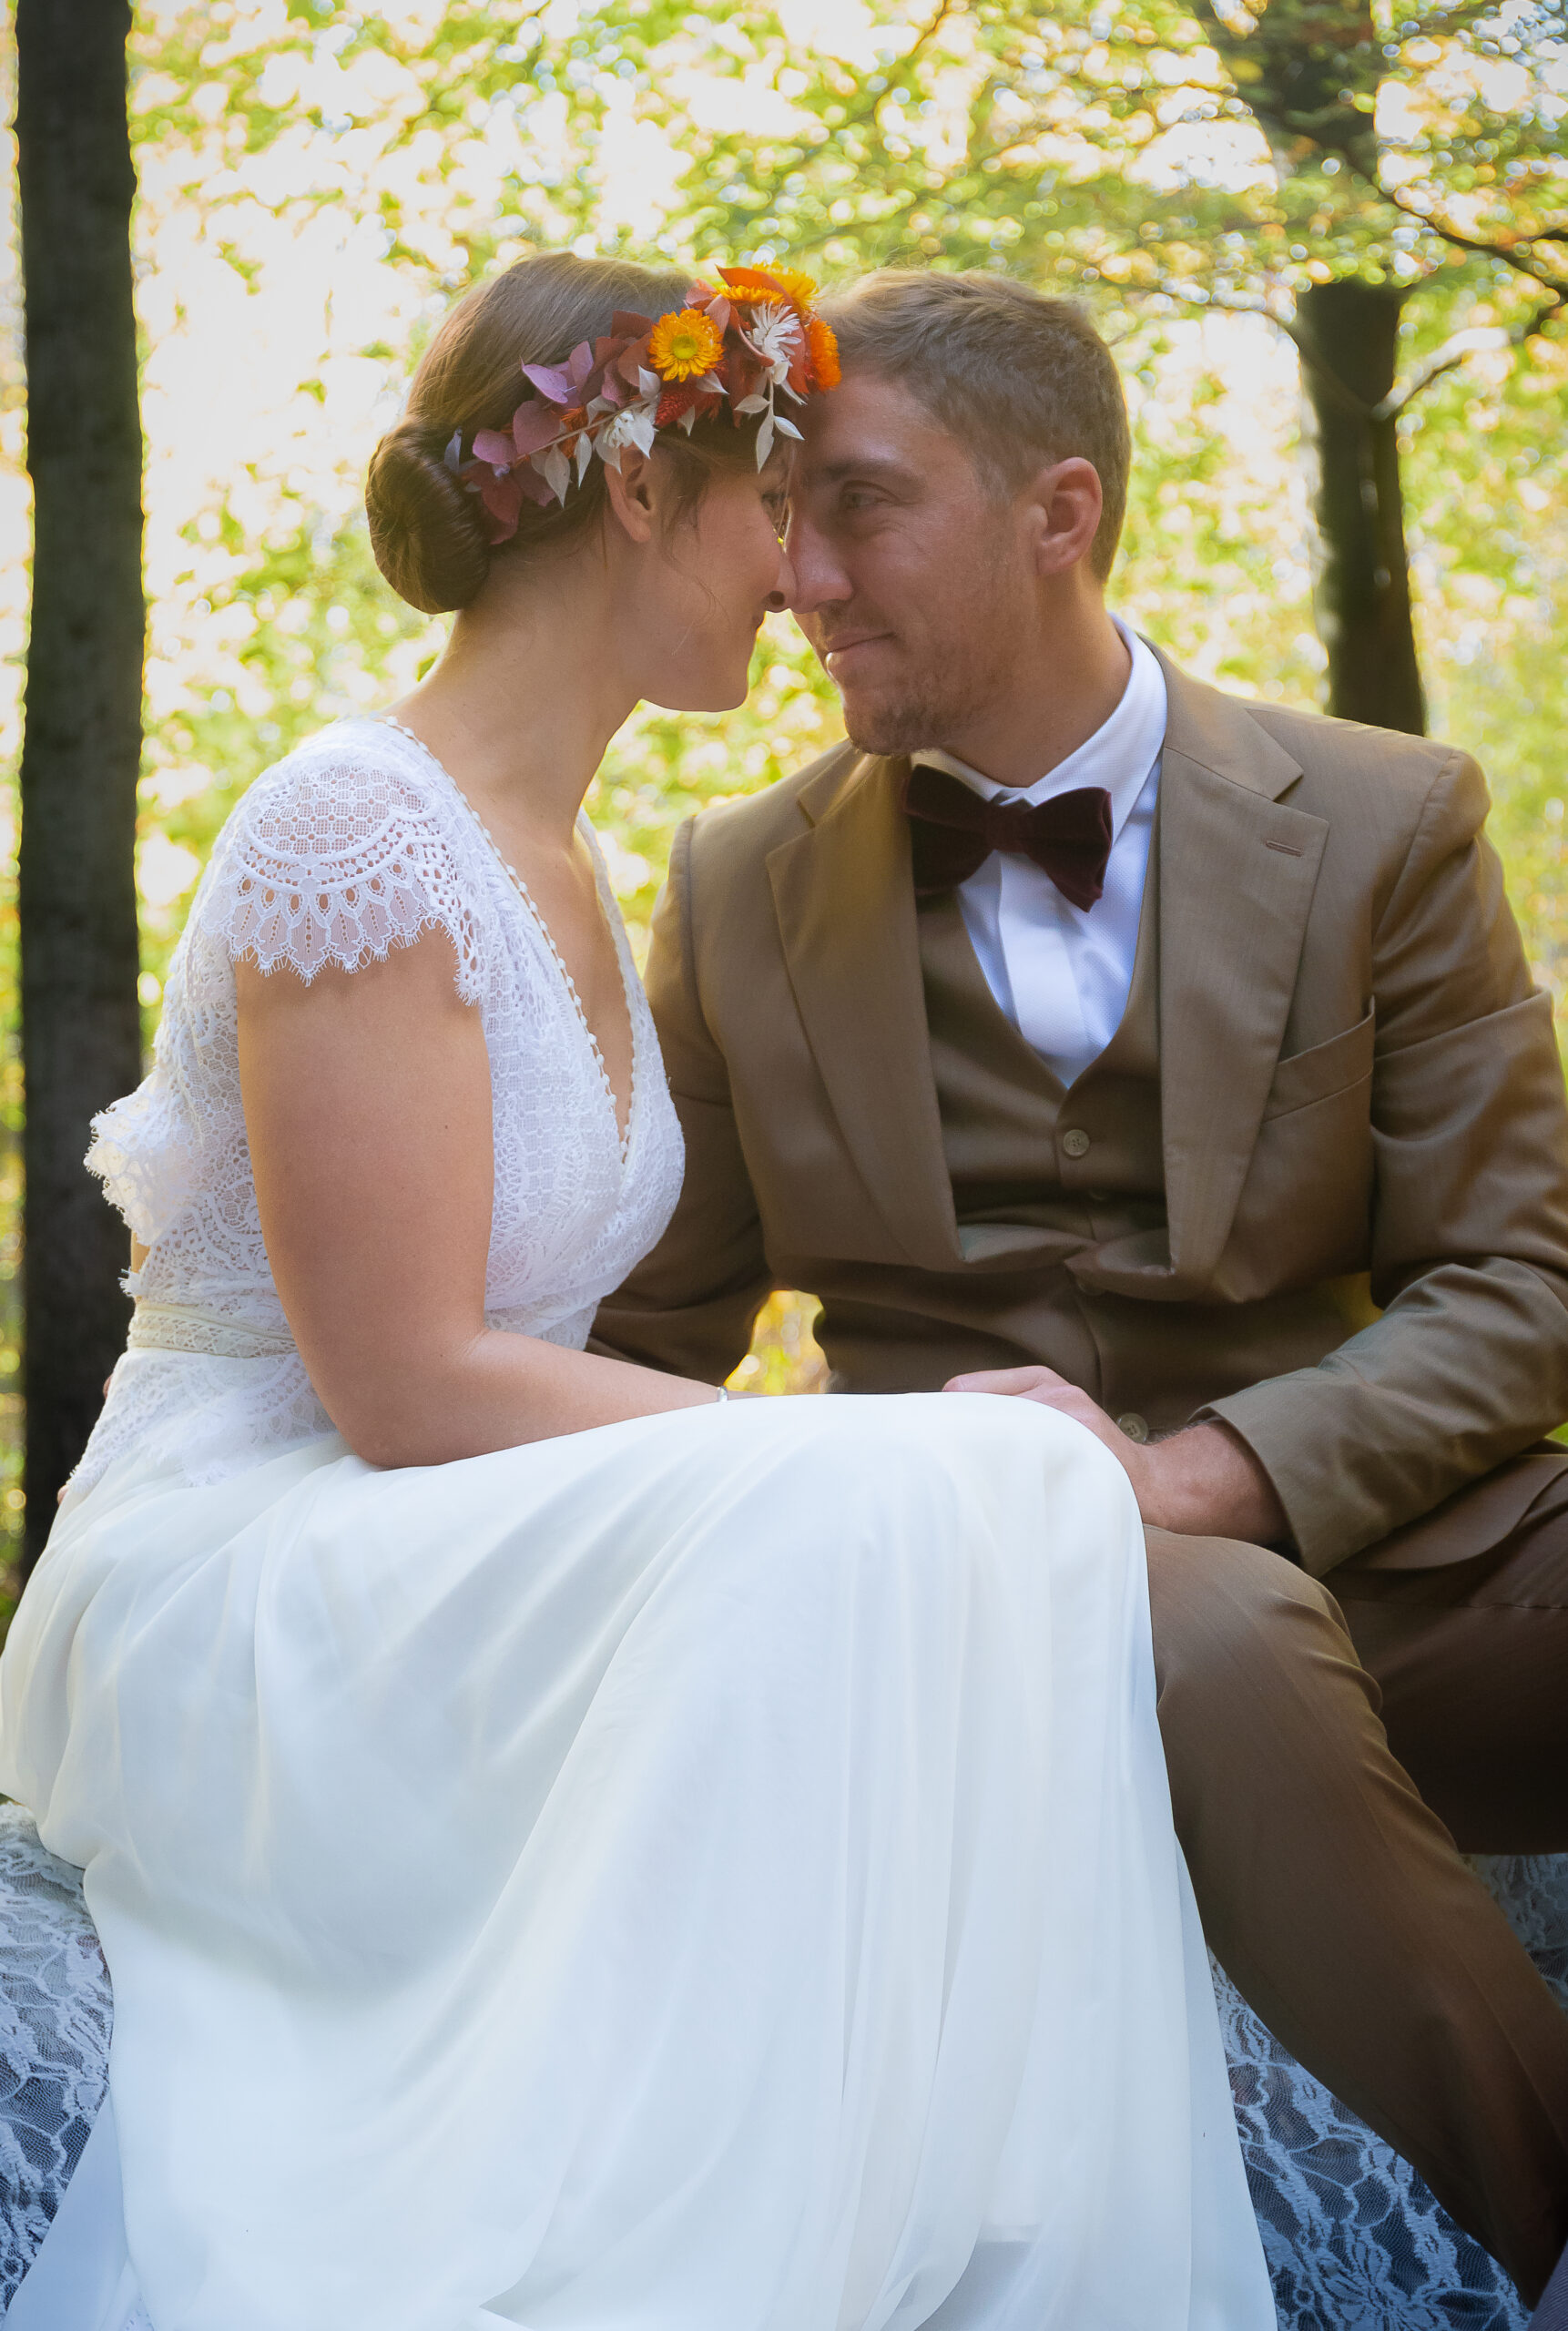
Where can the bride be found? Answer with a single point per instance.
(572, 1850)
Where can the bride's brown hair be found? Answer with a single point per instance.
(427, 528)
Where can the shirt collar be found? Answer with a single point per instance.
(1118, 756)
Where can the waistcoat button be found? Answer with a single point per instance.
(1076, 1142)
(1134, 1426)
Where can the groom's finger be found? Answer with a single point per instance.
(1132, 1459)
(1013, 1381)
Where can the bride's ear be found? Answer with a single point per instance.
(633, 494)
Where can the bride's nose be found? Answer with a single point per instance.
(783, 591)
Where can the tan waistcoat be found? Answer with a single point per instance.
(1001, 1110)
(1005, 1117)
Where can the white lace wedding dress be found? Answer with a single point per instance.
(713, 1873)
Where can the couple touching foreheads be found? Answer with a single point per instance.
(574, 1850)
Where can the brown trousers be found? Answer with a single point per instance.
(1318, 1744)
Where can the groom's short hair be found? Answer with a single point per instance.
(1021, 377)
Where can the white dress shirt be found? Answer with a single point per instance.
(1062, 972)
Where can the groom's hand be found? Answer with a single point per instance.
(1202, 1481)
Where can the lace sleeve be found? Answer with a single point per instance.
(336, 857)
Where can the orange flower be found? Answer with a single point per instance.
(748, 285)
(683, 345)
(824, 348)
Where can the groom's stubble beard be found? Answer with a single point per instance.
(955, 663)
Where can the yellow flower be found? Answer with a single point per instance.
(797, 287)
(748, 285)
(685, 344)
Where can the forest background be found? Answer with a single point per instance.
(316, 182)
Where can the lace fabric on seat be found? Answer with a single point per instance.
(1354, 2238)
(55, 2016)
(357, 843)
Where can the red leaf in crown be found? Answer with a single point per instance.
(535, 487)
(743, 371)
(551, 380)
(587, 377)
(502, 500)
(629, 327)
(674, 402)
(533, 425)
(683, 397)
(491, 445)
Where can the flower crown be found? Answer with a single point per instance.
(759, 335)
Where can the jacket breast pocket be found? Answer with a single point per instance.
(1322, 1070)
(1305, 1210)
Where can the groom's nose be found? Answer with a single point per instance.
(818, 577)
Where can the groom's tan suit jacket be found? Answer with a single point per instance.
(1317, 1186)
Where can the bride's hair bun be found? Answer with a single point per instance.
(427, 532)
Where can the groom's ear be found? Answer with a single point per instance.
(1062, 514)
(632, 492)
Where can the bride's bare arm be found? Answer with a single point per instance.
(367, 1102)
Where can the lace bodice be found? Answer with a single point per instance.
(356, 843)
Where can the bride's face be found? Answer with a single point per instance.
(711, 579)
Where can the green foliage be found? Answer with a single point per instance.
(398, 113)
(1490, 475)
(309, 632)
(1200, 152)
(1214, 563)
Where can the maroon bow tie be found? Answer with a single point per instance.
(953, 832)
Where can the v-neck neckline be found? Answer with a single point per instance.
(623, 1137)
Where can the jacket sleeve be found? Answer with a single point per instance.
(690, 1304)
(1468, 1362)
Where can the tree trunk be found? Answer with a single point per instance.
(1350, 332)
(81, 1037)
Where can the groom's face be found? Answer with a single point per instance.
(914, 580)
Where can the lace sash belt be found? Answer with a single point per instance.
(186, 1327)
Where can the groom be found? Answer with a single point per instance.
(1175, 1057)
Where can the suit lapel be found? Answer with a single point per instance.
(846, 911)
(1238, 869)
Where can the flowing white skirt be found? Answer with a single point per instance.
(714, 1873)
